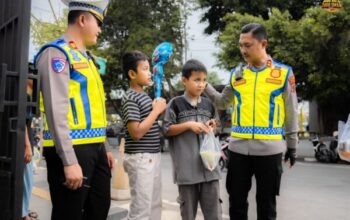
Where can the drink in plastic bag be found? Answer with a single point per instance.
(210, 151)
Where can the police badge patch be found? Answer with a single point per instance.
(275, 73)
(58, 64)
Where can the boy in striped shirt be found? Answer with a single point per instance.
(142, 139)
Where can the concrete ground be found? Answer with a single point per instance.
(309, 191)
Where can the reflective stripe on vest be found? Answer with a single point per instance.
(87, 113)
(258, 111)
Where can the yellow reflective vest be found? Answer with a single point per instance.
(87, 113)
(258, 110)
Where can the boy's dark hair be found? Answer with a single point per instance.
(74, 15)
(192, 65)
(130, 61)
(258, 31)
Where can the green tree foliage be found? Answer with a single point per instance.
(129, 25)
(140, 25)
(217, 9)
(44, 32)
(214, 79)
(316, 46)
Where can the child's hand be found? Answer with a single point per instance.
(159, 105)
(198, 127)
(211, 123)
(28, 154)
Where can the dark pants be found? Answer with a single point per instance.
(207, 194)
(92, 200)
(267, 171)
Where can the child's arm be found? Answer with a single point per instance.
(138, 129)
(197, 127)
(28, 148)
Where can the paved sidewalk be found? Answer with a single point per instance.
(40, 201)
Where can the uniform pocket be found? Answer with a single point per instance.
(278, 179)
(74, 110)
(180, 201)
(234, 115)
(278, 114)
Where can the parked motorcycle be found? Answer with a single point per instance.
(223, 162)
(324, 153)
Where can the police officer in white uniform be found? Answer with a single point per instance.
(78, 165)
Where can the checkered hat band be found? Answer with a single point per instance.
(84, 7)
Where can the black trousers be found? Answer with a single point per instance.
(267, 171)
(92, 200)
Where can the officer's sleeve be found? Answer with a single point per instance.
(291, 112)
(169, 117)
(54, 88)
(220, 100)
(215, 115)
(107, 145)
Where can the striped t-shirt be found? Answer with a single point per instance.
(136, 107)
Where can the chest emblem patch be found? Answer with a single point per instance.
(275, 73)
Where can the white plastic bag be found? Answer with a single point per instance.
(210, 151)
(344, 140)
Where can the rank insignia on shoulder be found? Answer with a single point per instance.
(239, 82)
(269, 63)
(73, 45)
(58, 64)
(275, 73)
(81, 65)
(274, 81)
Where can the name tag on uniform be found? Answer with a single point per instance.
(274, 81)
(82, 65)
(239, 82)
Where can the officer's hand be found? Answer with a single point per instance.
(110, 159)
(28, 154)
(74, 176)
(290, 155)
(211, 123)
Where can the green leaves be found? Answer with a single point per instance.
(217, 9)
(317, 47)
(44, 32)
(140, 25)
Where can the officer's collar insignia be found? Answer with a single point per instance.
(275, 73)
(73, 45)
(58, 64)
(269, 63)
